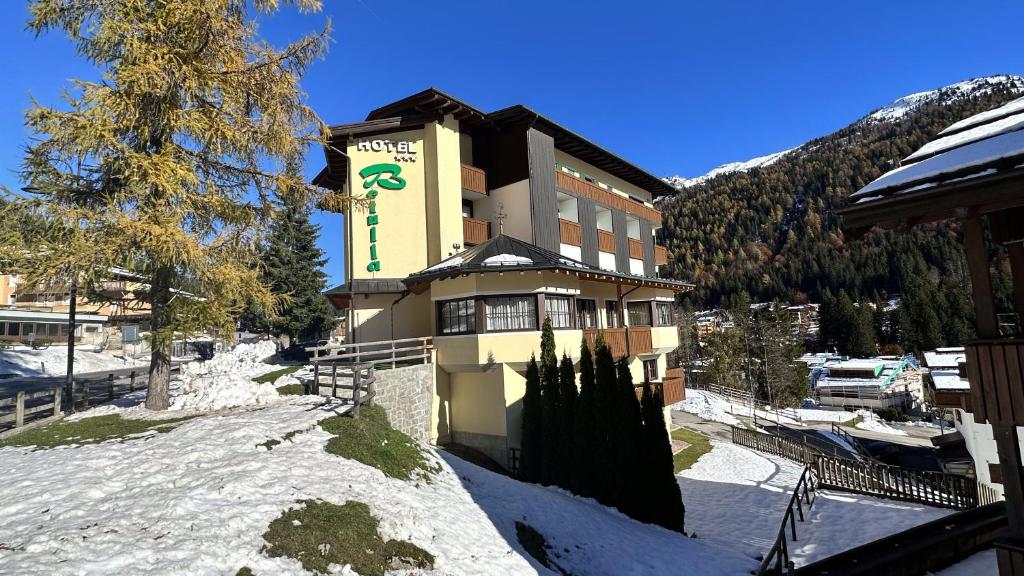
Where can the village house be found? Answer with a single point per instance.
(476, 227)
(868, 383)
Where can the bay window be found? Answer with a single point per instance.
(457, 317)
(639, 313)
(559, 309)
(509, 313)
(663, 313)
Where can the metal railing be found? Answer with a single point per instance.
(805, 493)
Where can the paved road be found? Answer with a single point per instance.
(712, 429)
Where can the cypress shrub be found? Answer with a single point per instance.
(627, 439)
(584, 426)
(567, 397)
(663, 504)
(604, 401)
(532, 451)
(549, 405)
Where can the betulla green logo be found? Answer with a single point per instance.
(385, 176)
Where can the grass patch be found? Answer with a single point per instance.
(320, 534)
(269, 444)
(271, 376)
(291, 390)
(370, 439)
(699, 445)
(90, 431)
(244, 571)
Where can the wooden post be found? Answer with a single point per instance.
(392, 354)
(355, 391)
(316, 379)
(110, 386)
(131, 381)
(981, 280)
(1015, 251)
(334, 380)
(19, 410)
(56, 401)
(85, 393)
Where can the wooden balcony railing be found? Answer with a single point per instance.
(615, 338)
(474, 179)
(673, 387)
(570, 232)
(640, 340)
(660, 255)
(585, 189)
(636, 249)
(475, 231)
(605, 241)
(995, 369)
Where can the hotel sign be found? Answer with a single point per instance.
(377, 178)
(404, 150)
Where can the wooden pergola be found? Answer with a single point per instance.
(982, 186)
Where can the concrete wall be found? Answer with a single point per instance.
(407, 395)
(443, 174)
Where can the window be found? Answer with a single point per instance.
(467, 208)
(14, 329)
(508, 313)
(52, 330)
(457, 317)
(639, 313)
(3, 328)
(611, 309)
(663, 313)
(586, 313)
(651, 370)
(559, 310)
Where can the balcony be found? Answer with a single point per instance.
(605, 241)
(584, 189)
(474, 179)
(570, 232)
(475, 231)
(660, 255)
(622, 341)
(636, 249)
(673, 387)
(996, 374)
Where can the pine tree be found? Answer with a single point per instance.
(293, 268)
(604, 405)
(584, 427)
(864, 344)
(567, 398)
(627, 437)
(531, 460)
(664, 502)
(550, 405)
(169, 164)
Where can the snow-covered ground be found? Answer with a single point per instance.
(53, 361)
(737, 497)
(981, 564)
(872, 423)
(197, 500)
(716, 408)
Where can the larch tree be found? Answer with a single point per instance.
(169, 163)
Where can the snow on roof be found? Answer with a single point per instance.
(949, 380)
(1012, 107)
(980, 153)
(944, 359)
(1010, 123)
(506, 260)
(859, 364)
(449, 263)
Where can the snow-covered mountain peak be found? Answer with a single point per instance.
(901, 106)
(681, 182)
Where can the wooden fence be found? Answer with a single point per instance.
(359, 378)
(393, 352)
(29, 405)
(777, 561)
(869, 477)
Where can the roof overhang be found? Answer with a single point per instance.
(419, 283)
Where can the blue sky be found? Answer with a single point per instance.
(677, 87)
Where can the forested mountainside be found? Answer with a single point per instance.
(769, 228)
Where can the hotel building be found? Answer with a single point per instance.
(475, 226)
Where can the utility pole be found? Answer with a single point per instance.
(69, 382)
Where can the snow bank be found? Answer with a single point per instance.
(197, 500)
(872, 423)
(225, 380)
(53, 361)
(980, 564)
(708, 406)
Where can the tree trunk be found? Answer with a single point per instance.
(158, 395)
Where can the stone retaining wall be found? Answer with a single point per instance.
(406, 394)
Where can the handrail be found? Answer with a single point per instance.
(779, 552)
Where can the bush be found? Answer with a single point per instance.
(891, 415)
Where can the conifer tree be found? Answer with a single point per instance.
(627, 438)
(604, 404)
(531, 458)
(584, 427)
(293, 268)
(168, 165)
(549, 404)
(663, 504)
(566, 417)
